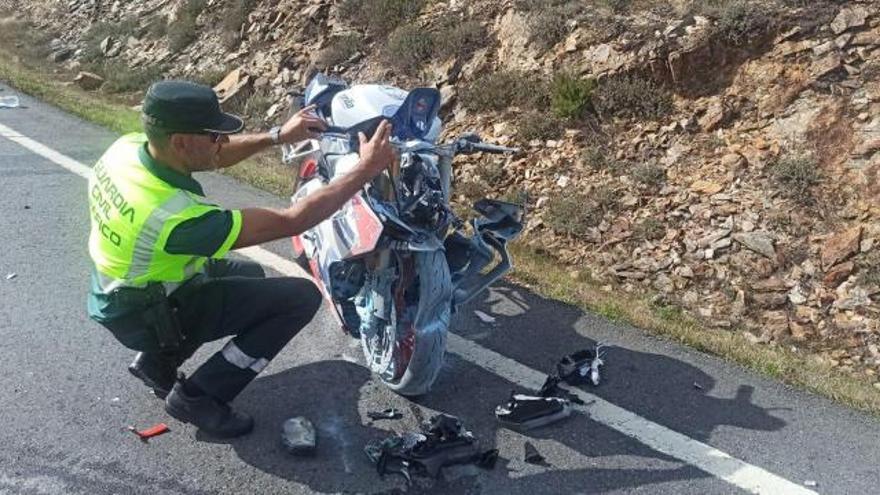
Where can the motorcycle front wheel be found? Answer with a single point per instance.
(407, 351)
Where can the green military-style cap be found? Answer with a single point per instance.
(184, 106)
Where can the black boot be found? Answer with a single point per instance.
(155, 371)
(207, 413)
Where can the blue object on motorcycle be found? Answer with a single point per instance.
(416, 114)
(321, 90)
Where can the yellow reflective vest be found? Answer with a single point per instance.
(132, 214)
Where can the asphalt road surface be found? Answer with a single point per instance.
(665, 420)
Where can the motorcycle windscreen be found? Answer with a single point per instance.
(414, 118)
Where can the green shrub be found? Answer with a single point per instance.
(605, 198)
(517, 196)
(455, 38)
(649, 175)
(496, 91)
(101, 30)
(119, 78)
(618, 6)
(570, 95)
(339, 49)
(209, 77)
(649, 229)
(380, 16)
(538, 125)
(237, 14)
(572, 214)
(491, 172)
(738, 21)
(631, 97)
(795, 176)
(548, 20)
(595, 157)
(407, 49)
(183, 30)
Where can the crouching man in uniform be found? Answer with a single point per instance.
(160, 283)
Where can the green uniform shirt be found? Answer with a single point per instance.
(202, 236)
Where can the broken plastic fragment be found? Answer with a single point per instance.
(551, 389)
(390, 413)
(532, 456)
(298, 436)
(151, 432)
(10, 101)
(485, 318)
(11, 276)
(582, 366)
(524, 412)
(444, 442)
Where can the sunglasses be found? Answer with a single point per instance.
(215, 136)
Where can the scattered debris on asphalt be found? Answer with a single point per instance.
(10, 276)
(11, 101)
(444, 441)
(582, 366)
(551, 389)
(298, 436)
(390, 413)
(485, 318)
(524, 412)
(532, 456)
(153, 431)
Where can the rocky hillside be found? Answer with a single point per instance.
(720, 155)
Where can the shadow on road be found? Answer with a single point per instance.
(536, 334)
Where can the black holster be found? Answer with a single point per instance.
(158, 312)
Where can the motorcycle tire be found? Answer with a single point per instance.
(427, 345)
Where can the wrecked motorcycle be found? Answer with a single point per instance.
(396, 261)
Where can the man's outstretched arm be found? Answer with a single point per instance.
(259, 225)
(303, 125)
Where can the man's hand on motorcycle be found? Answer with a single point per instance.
(304, 124)
(377, 153)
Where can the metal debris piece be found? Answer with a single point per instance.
(485, 318)
(698, 386)
(532, 456)
(524, 412)
(582, 366)
(10, 276)
(151, 432)
(551, 389)
(390, 413)
(811, 483)
(298, 436)
(443, 442)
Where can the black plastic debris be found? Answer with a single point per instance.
(390, 413)
(524, 412)
(532, 456)
(443, 442)
(551, 389)
(581, 367)
(298, 436)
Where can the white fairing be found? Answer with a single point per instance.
(364, 102)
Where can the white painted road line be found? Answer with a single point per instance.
(704, 457)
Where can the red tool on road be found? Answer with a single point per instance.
(151, 432)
